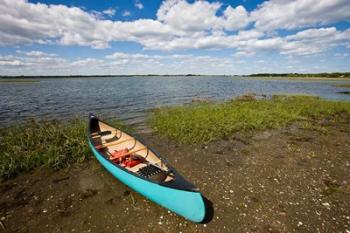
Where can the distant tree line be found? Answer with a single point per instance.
(318, 75)
(91, 76)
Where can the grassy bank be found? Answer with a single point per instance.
(52, 144)
(18, 81)
(206, 122)
(343, 85)
(57, 145)
(304, 75)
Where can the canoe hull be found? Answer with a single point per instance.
(188, 204)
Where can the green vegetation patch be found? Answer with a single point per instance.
(47, 143)
(206, 122)
(343, 85)
(299, 75)
(18, 81)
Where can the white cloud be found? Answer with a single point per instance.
(109, 12)
(119, 63)
(201, 15)
(23, 22)
(10, 61)
(312, 41)
(41, 63)
(126, 13)
(144, 63)
(341, 55)
(315, 33)
(86, 62)
(249, 34)
(36, 53)
(307, 42)
(182, 25)
(138, 4)
(235, 18)
(189, 17)
(28, 22)
(176, 63)
(278, 14)
(244, 53)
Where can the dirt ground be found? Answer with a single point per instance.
(286, 180)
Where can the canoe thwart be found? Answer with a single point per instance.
(104, 145)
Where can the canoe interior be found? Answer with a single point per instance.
(109, 140)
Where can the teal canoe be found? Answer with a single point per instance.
(129, 160)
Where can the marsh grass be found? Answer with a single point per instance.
(52, 144)
(343, 85)
(18, 81)
(308, 125)
(202, 123)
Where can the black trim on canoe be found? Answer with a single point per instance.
(179, 182)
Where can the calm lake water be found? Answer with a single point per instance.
(129, 98)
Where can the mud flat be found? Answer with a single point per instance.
(293, 178)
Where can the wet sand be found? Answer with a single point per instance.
(286, 180)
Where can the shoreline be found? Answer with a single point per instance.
(299, 78)
(275, 179)
(346, 76)
(18, 80)
(199, 122)
(271, 179)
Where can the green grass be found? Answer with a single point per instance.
(343, 85)
(18, 81)
(206, 122)
(52, 144)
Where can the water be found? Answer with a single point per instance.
(129, 98)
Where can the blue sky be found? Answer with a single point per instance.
(58, 37)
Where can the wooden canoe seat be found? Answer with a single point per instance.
(101, 133)
(159, 162)
(137, 167)
(113, 143)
